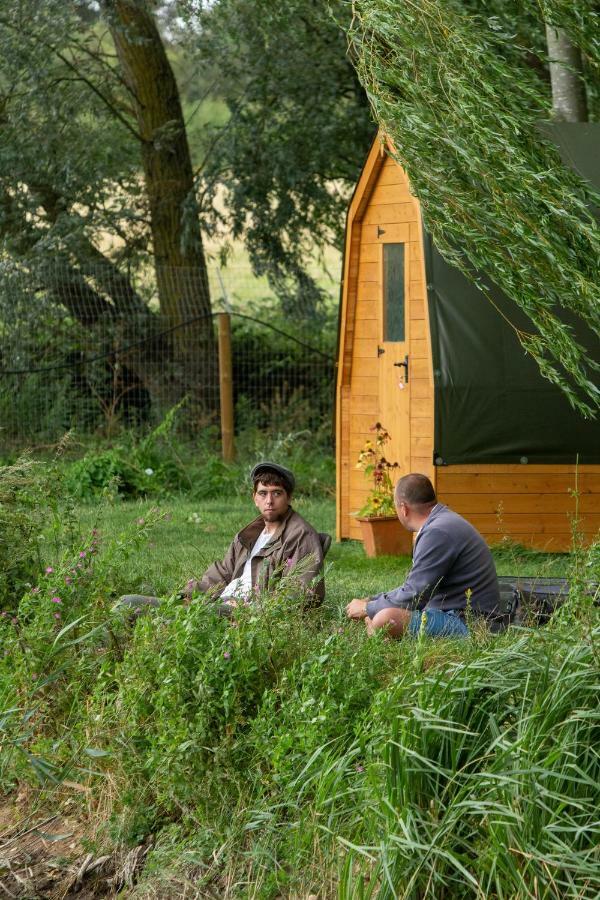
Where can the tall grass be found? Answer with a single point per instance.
(285, 754)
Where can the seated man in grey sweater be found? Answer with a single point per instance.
(452, 569)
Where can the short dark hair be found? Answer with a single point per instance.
(416, 490)
(271, 479)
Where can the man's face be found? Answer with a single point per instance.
(272, 501)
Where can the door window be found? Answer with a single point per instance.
(393, 292)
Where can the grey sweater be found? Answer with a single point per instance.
(450, 558)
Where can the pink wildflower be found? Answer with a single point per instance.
(35, 590)
(57, 615)
(56, 600)
(68, 580)
(227, 655)
(82, 554)
(49, 570)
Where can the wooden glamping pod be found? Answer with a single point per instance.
(422, 351)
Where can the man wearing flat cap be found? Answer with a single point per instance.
(277, 541)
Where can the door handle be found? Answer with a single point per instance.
(405, 365)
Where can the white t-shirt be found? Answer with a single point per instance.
(241, 587)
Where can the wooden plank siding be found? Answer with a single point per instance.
(533, 505)
(382, 201)
(529, 504)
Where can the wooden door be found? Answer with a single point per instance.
(394, 362)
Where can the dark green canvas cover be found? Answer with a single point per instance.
(491, 403)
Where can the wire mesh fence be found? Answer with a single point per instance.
(96, 351)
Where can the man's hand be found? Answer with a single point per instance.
(357, 609)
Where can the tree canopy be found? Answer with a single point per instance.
(456, 94)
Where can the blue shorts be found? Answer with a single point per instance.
(437, 624)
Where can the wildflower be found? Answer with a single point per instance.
(359, 768)
(149, 471)
(226, 655)
(35, 590)
(56, 600)
(289, 562)
(57, 615)
(68, 580)
(82, 554)
(141, 521)
(49, 570)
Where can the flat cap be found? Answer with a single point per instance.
(267, 466)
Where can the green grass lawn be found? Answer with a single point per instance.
(194, 534)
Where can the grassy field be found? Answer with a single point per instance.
(193, 534)
(285, 755)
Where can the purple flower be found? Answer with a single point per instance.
(49, 570)
(227, 655)
(68, 580)
(82, 554)
(56, 600)
(57, 615)
(289, 562)
(359, 768)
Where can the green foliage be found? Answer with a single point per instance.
(372, 461)
(29, 504)
(283, 150)
(490, 770)
(288, 751)
(495, 197)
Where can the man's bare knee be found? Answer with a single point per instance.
(394, 620)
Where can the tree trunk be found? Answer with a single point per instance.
(180, 264)
(569, 102)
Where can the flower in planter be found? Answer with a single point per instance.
(376, 467)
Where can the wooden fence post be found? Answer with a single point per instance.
(226, 387)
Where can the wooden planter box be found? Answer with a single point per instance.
(384, 536)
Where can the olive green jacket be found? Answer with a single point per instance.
(294, 541)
